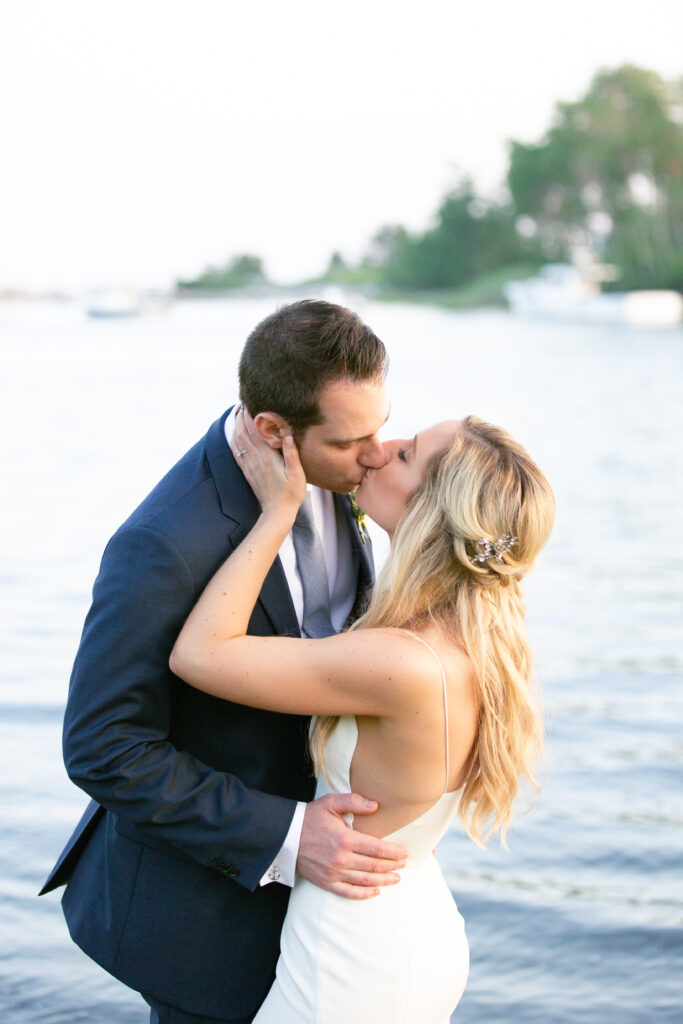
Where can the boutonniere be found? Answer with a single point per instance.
(359, 517)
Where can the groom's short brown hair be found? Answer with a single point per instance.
(292, 354)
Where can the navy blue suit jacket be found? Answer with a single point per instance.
(192, 796)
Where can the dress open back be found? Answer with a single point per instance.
(397, 958)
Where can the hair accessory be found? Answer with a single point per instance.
(240, 452)
(488, 551)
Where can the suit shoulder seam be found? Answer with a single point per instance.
(145, 528)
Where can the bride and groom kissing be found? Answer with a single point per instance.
(235, 603)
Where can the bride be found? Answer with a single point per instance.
(424, 705)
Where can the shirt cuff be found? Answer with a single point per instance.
(283, 867)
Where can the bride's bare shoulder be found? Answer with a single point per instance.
(406, 657)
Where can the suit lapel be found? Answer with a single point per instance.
(240, 506)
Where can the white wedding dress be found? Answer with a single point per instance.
(397, 958)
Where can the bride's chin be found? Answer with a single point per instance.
(370, 509)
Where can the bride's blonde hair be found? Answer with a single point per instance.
(483, 487)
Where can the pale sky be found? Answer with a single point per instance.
(143, 139)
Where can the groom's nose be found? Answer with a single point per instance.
(373, 455)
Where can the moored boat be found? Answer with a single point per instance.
(560, 293)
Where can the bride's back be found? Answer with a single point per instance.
(401, 760)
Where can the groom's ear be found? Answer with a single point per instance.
(272, 428)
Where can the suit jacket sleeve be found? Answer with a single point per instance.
(118, 714)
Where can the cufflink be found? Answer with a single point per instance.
(274, 873)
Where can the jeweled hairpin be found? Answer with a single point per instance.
(486, 550)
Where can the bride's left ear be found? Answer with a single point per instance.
(272, 428)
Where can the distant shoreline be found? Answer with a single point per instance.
(483, 292)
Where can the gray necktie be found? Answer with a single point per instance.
(310, 558)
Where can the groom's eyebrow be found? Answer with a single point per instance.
(355, 440)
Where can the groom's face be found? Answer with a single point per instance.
(337, 453)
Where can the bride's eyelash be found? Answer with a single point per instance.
(402, 454)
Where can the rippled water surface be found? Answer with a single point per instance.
(582, 921)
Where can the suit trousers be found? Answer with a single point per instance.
(161, 1013)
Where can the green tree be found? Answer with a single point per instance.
(336, 265)
(609, 175)
(240, 272)
(469, 237)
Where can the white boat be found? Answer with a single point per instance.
(560, 293)
(113, 302)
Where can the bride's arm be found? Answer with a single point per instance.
(361, 673)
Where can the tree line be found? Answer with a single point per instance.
(605, 183)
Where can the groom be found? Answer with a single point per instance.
(199, 806)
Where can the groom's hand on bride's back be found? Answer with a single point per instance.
(339, 859)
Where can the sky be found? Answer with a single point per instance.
(142, 140)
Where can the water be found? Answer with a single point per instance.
(582, 920)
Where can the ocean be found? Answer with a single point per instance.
(582, 919)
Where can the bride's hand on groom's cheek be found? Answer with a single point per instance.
(274, 474)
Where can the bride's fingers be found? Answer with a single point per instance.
(249, 427)
(293, 468)
(245, 435)
(240, 439)
(255, 451)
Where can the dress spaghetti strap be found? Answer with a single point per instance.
(445, 700)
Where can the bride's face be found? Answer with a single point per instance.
(384, 492)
